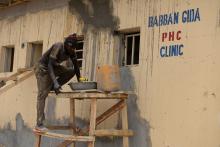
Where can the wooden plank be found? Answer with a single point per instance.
(66, 137)
(88, 91)
(72, 118)
(118, 106)
(79, 95)
(64, 143)
(110, 112)
(93, 117)
(102, 117)
(102, 133)
(125, 124)
(14, 75)
(20, 70)
(38, 141)
(92, 121)
(59, 127)
(22, 77)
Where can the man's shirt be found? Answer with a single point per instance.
(56, 52)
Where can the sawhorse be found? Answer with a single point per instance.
(90, 133)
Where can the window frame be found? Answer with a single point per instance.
(30, 51)
(81, 39)
(4, 60)
(125, 37)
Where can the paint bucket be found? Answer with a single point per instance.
(108, 78)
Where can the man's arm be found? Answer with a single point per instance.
(52, 62)
(76, 67)
(56, 85)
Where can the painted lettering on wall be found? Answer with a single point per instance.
(185, 17)
(174, 49)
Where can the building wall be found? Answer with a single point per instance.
(175, 100)
(177, 96)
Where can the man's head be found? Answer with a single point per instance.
(70, 44)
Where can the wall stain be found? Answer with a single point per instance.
(23, 136)
(204, 109)
(213, 94)
(140, 126)
(209, 94)
(153, 8)
(98, 13)
(206, 93)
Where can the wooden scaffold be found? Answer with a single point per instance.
(90, 133)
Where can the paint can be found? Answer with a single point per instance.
(108, 78)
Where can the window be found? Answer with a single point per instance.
(131, 49)
(79, 51)
(7, 59)
(34, 52)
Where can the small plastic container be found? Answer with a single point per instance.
(108, 78)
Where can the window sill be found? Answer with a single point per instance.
(134, 65)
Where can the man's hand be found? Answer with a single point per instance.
(57, 88)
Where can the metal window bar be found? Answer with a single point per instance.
(78, 53)
(80, 50)
(138, 47)
(81, 41)
(132, 52)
